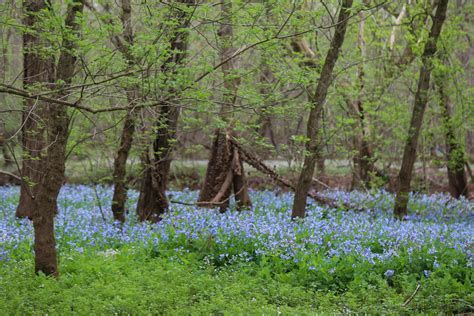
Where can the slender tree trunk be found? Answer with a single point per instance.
(363, 159)
(265, 129)
(120, 163)
(313, 146)
(224, 168)
(4, 135)
(3, 76)
(455, 158)
(152, 202)
(421, 98)
(126, 138)
(320, 164)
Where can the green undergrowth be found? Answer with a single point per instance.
(138, 281)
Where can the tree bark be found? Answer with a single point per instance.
(38, 70)
(40, 202)
(126, 138)
(4, 135)
(363, 161)
(313, 146)
(455, 158)
(152, 202)
(222, 156)
(3, 76)
(265, 128)
(421, 99)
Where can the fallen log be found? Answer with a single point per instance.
(257, 163)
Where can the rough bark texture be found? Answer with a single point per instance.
(313, 146)
(215, 189)
(217, 168)
(455, 158)
(152, 201)
(40, 202)
(421, 98)
(126, 138)
(38, 70)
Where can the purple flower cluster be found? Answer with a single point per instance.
(436, 223)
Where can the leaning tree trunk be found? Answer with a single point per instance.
(152, 201)
(313, 146)
(126, 138)
(225, 170)
(42, 206)
(421, 98)
(455, 158)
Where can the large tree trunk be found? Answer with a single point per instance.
(37, 70)
(421, 98)
(224, 167)
(313, 146)
(455, 158)
(126, 138)
(41, 201)
(152, 202)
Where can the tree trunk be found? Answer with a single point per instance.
(363, 159)
(126, 138)
(37, 70)
(152, 200)
(4, 144)
(120, 163)
(42, 206)
(220, 168)
(313, 146)
(455, 158)
(265, 129)
(3, 76)
(421, 98)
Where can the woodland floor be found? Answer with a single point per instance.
(197, 261)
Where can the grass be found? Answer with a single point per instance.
(135, 282)
(256, 262)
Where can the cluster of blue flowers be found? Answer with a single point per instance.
(436, 223)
